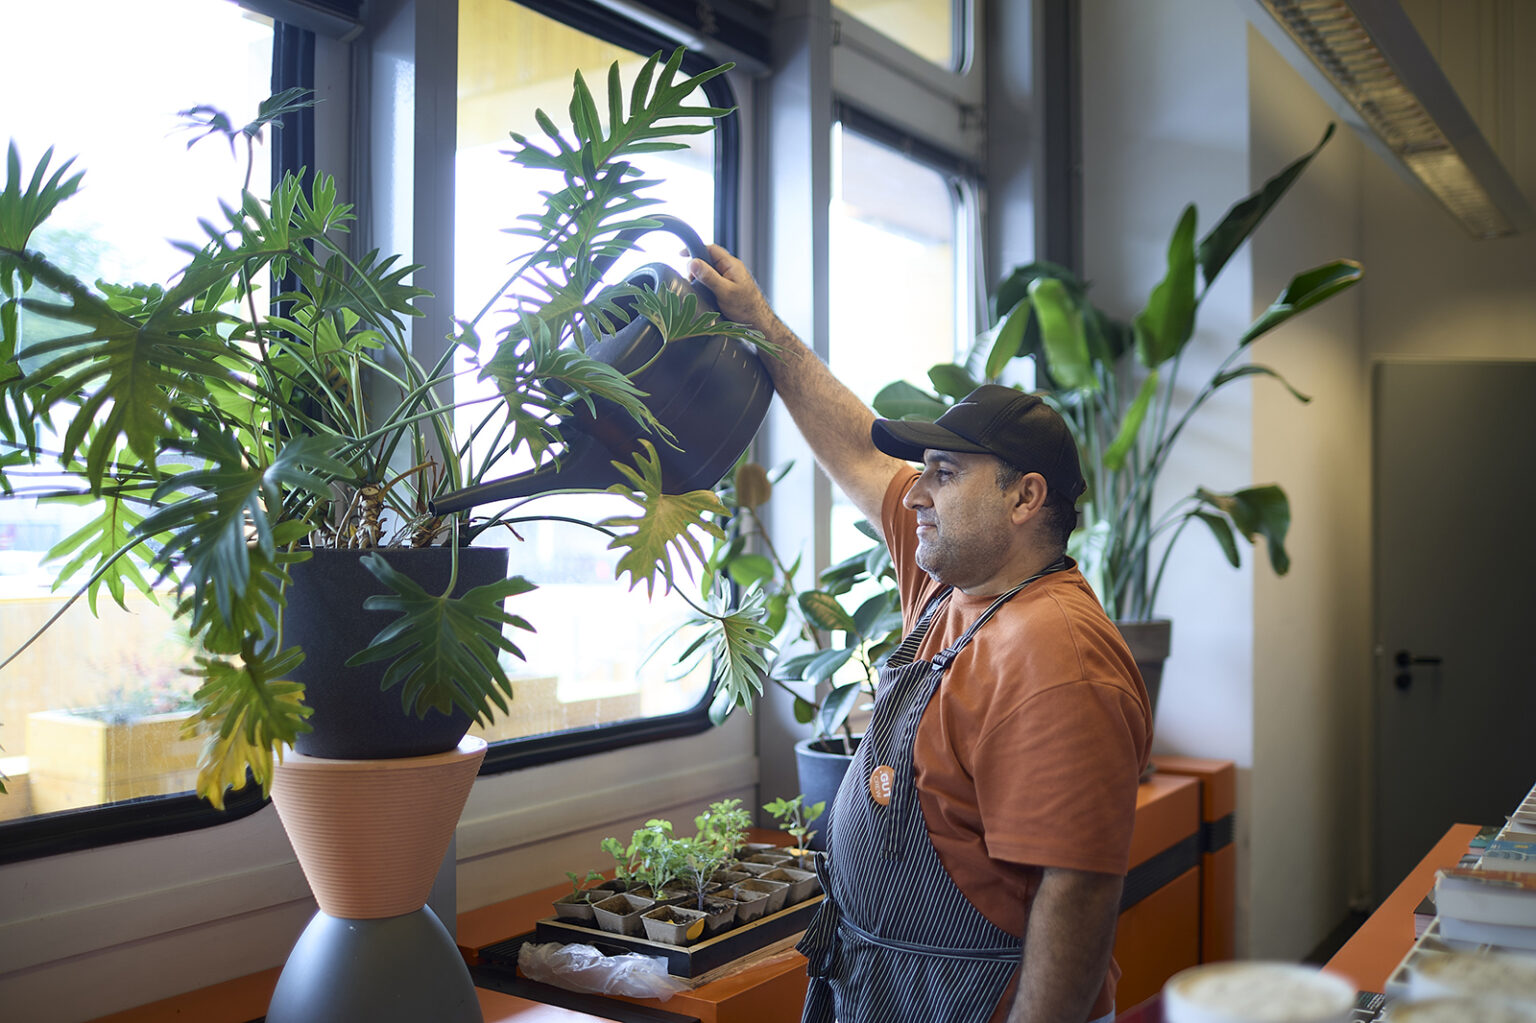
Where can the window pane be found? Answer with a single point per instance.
(926, 27)
(896, 306)
(88, 713)
(584, 665)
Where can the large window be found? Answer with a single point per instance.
(587, 665)
(90, 713)
(902, 293)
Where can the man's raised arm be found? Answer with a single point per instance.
(833, 421)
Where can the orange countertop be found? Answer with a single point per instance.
(1370, 956)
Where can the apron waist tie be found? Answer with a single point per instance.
(819, 946)
(993, 953)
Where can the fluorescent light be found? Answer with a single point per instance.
(1375, 61)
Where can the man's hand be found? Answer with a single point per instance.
(735, 291)
(833, 421)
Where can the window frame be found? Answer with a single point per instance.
(293, 65)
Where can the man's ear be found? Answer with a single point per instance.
(1028, 496)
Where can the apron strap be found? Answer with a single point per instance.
(904, 653)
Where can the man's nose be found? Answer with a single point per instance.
(916, 496)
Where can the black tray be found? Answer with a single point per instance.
(682, 961)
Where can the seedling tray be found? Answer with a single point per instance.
(682, 960)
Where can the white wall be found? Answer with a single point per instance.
(1165, 123)
(1312, 627)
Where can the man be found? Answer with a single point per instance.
(996, 784)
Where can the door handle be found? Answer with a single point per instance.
(1405, 660)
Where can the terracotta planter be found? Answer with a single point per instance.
(370, 836)
(674, 925)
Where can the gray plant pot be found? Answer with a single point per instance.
(821, 764)
(1150, 642)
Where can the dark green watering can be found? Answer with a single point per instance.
(710, 393)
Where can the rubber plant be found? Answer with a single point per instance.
(225, 434)
(1115, 384)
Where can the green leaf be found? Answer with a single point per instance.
(1164, 327)
(840, 702)
(750, 568)
(679, 317)
(952, 381)
(1306, 290)
(901, 400)
(805, 710)
(1130, 425)
(444, 651)
(823, 611)
(250, 711)
(1223, 533)
(738, 643)
(209, 525)
(1062, 336)
(1010, 337)
(1257, 511)
(1241, 220)
(1254, 369)
(792, 668)
(22, 212)
(825, 664)
(666, 523)
(101, 548)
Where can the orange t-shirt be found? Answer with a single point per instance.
(1029, 754)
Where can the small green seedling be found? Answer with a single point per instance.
(576, 882)
(794, 817)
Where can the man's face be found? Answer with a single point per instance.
(963, 527)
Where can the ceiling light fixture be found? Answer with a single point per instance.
(1384, 80)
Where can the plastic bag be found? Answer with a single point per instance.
(584, 968)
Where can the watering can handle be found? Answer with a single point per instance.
(664, 222)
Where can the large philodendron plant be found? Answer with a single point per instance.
(226, 430)
(1115, 384)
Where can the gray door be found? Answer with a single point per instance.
(1455, 568)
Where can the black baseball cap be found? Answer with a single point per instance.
(1019, 428)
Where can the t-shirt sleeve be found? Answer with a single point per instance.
(1056, 779)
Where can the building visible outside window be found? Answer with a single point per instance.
(88, 714)
(587, 665)
(929, 28)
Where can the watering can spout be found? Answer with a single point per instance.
(709, 396)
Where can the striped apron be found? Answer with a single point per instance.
(895, 940)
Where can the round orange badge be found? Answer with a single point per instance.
(882, 782)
